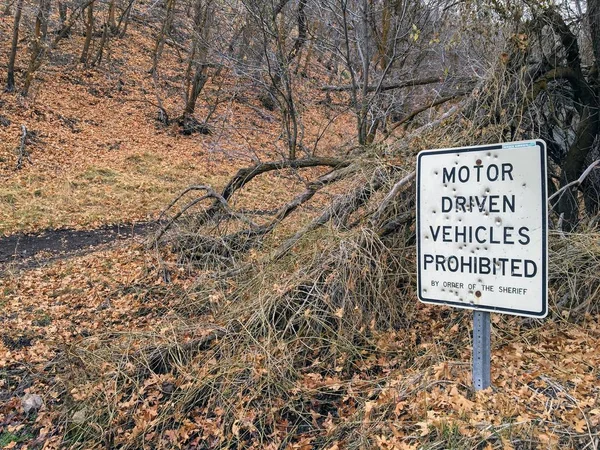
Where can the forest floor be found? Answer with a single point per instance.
(73, 269)
(96, 154)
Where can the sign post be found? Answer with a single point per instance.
(482, 350)
(482, 235)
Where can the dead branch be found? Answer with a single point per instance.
(227, 246)
(210, 193)
(391, 195)
(344, 205)
(418, 111)
(162, 359)
(387, 86)
(239, 180)
(430, 125)
(577, 182)
(243, 176)
(310, 191)
(22, 151)
(394, 224)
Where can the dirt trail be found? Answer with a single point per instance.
(25, 251)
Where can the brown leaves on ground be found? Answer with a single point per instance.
(410, 388)
(97, 154)
(47, 311)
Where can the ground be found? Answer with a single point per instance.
(97, 154)
(97, 157)
(545, 376)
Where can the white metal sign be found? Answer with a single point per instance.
(482, 228)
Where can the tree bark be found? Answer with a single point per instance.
(38, 44)
(62, 13)
(89, 29)
(593, 7)
(160, 39)
(386, 86)
(10, 82)
(124, 19)
(108, 30)
(197, 69)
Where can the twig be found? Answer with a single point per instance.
(344, 204)
(577, 182)
(22, 150)
(390, 196)
(559, 225)
(210, 193)
(421, 109)
(243, 176)
(387, 87)
(422, 129)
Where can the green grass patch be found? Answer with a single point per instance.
(100, 175)
(7, 437)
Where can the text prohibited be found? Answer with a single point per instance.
(482, 228)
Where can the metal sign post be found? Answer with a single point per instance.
(482, 350)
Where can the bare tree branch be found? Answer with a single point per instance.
(576, 182)
(386, 86)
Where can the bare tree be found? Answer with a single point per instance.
(10, 82)
(379, 42)
(274, 22)
(164, 31)
(89, 30)
(196, 74)
(39, 44)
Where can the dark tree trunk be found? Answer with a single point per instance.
(89, 29)
(197, 84)
(124, 19)
(197, 69)
(112, 23)
(105, 33)
(594, 23)
(38, 45)
(164, 31)
(62, 14)
(586, 96)
(591, 186)
(10, 82)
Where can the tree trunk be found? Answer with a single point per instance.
(198, 82)
(38, 44)
(591, 186)
(112, 24)
(573, 166)
(124, 19)
(160, 40)
(10, 82)
(62, 14)
(363, 129)
(594, 23)
(197, 69)
(89, 29)
(105, 34)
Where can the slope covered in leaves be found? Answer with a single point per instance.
(95, 152)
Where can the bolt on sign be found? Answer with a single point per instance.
(482, 228)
